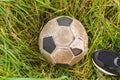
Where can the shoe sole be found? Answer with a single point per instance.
(104, 71)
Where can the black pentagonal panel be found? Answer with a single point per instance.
(64, 21)
(48, 44)
(60, 64)
(76, 51)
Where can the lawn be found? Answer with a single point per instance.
(22, 20)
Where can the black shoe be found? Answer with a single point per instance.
(107, 61)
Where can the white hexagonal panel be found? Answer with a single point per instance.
(79, 31)
(48, 56)
(62, 55)
(63, 37)
(50, 28)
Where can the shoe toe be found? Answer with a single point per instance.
(104, 60)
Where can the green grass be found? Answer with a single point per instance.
(22, 20)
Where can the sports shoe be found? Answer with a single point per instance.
(107, 61)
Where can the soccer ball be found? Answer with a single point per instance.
(63, 40)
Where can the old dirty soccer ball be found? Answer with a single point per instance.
(63, 40)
